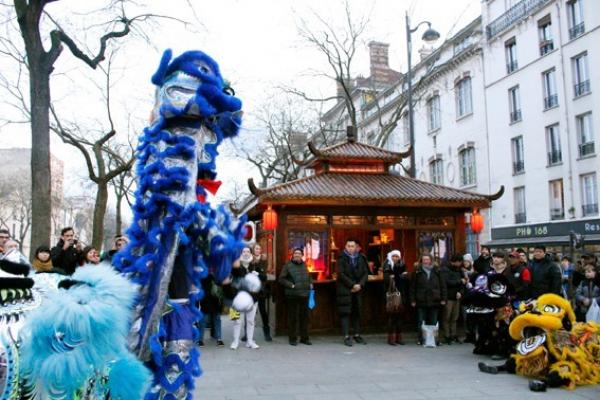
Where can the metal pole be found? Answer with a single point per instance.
(411, 126)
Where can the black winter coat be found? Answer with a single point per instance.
(453, 279)
(545, 278)
(400, 279)
(295, 279)
(261, 268)
(67, 260)
(427, 292)
(520, 279)
(230, 290)
(349, 275)
(482, 265)
(210, 304)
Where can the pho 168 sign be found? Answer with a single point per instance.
(588, 227)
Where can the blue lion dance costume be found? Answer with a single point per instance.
(176, 236)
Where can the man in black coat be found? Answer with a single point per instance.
(484, 262)
(545, 274)
(352, 273)
(67, 252)
(297, 282)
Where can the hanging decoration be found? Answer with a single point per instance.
(269, 219)
(477, 223)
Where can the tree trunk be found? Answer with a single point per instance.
(41, 199)
(99, 211)
(118, 218)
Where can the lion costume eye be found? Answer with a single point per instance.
(551, 309)
(204, 68)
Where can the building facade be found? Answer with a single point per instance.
(15, 200)
(508, 101)
(541, 62)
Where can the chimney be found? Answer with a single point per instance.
(379, 62)
(351, 133)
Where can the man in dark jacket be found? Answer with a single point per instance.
(519, 278)
(297, 282)
(455, 282)
(545, 274)
(352, 273)
(427, 293)
(67, 252)
(483, 263)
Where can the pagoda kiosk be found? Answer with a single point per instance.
(351, 191)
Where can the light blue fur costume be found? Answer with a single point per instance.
(176, 237)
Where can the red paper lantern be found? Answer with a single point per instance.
(269, 219)
(476, 222)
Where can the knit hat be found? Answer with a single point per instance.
(468, 257)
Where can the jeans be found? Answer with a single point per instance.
(297, 313)
(354, 317)
(429, 315)
(215, 322)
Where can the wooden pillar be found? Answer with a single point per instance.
(460, 242)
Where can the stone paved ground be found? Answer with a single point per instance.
(330, 371)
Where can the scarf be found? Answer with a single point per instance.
(41, 266)
(353, 258)
(428, 270)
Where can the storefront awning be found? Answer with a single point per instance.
(546, 240)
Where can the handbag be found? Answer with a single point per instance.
(393, 298)
(311, 299)
(593, 313)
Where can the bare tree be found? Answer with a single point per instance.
(32, 19)
(339, 48)
(123, 183)
(287, 125)
(15, 210)
(104, 157)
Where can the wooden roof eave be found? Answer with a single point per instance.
(483, 203)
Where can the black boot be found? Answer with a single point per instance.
(267, 332)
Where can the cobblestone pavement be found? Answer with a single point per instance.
(328, 370)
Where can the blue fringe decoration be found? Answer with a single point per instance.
(208, 239)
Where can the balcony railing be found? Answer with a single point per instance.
(516, 13)
(515, 116)
(576, 30)
(586, 149)
(518, 167)
(582, 88)
(554, 157)
(550, 101)
(557, 213)
(590, 209)
(546, 46)
(520, 218)
(511, 66)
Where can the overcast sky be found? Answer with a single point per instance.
(255, 42)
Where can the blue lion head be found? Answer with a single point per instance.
(191, 87)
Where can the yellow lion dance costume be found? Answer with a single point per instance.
(551, 346)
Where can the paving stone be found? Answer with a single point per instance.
(328, 370)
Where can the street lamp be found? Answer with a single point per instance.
(429, 36)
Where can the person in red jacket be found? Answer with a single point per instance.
(520, 277)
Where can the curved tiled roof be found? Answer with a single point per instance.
(370, 189)
(355, 150)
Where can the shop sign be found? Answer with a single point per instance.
(587, 227)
